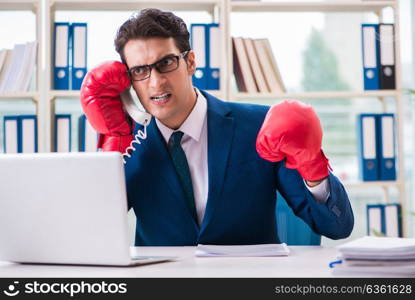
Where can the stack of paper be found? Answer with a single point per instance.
(244, 250)
(17, 67)
(376, 256)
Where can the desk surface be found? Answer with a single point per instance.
(303, 261)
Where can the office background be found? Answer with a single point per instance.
(294, 37)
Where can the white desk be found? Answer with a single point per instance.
(311, 261)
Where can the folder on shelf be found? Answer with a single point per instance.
(387, 56)
(20, 134)
(63, 133)
(255, 66)
(393, 220)
(61, 56)
(10, 80)
(368, 160)
(11, 134)
(375, 216)
(213, 55)
(87, 136)
(3, 55)
(28, 134)
(270, 70)
(273, 62)
(198, 44)
(28, 66)
(386, 146)
(241, 67)
(384, 220)
(370, 49)
(79, 54)
(7, 59)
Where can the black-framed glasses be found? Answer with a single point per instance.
(167, 64)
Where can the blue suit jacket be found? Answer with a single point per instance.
(242, 188)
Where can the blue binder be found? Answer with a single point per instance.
(375, 216)
(387, 76)
(87, 136)
(367, 143)
(384, 219)
(371, 56)
(198, 43)
(386, 146)
(81, 133)
(20, 134)
(63, 133)
(11, 134)
(27, 134)
(393, 220)
(79, 54)
(213, 56)
(61, 44)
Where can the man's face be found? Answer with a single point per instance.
(167, 96)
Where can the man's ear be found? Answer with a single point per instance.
(128, 74)
(191, 62)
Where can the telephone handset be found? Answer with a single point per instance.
(139, 116)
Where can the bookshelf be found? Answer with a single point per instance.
(133, 5)
(375, 7)
(216, 8)
(32, 5)
(220, 11)
(35, 6)
(20, 95)
(322, 6)
(318, 95)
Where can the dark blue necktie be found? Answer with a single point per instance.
(182, 168)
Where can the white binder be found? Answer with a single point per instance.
(198, 41)
(374, 219)
(28, 134)
(11, 135)
(62, 133)
(79, 54)
(61, 56)
(392, 221)
(213, 78)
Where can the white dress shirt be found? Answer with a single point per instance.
(194, 144)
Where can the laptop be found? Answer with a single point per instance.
(65, 208)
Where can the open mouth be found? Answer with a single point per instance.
(161, 98)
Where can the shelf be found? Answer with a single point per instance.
(322, 95)
(369, 184)
(323, 6)
(19, 95)
(18, 5)
(76, 94)
(64, 94)
(123, 5)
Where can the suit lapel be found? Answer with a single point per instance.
(220, 135)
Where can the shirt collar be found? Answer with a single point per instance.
(193, 125)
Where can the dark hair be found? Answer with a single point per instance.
(150, 23)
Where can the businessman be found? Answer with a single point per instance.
(209, 170)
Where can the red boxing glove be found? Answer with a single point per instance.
(101, 102)
(292, 130)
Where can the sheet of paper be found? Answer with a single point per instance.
(243, 250)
